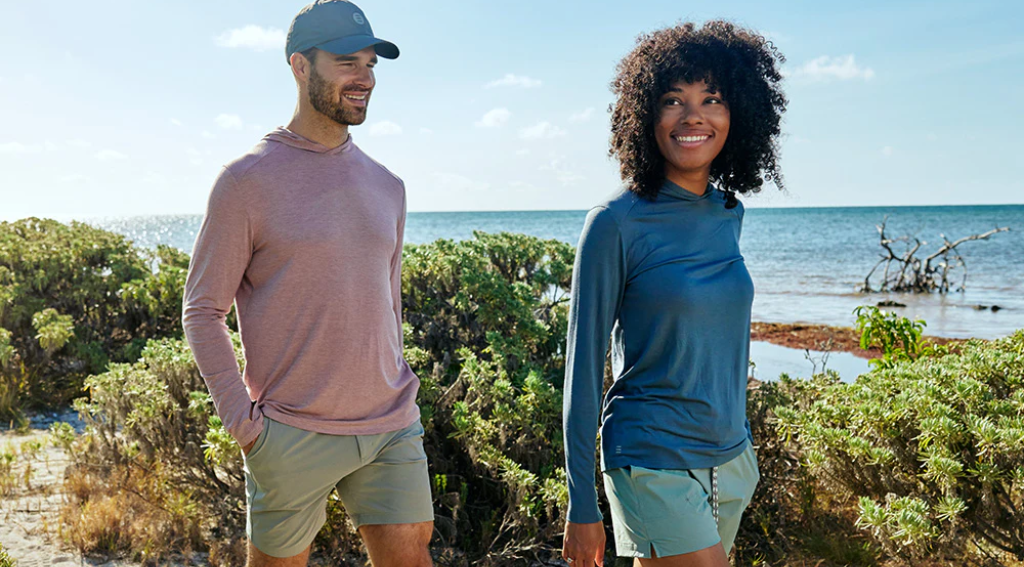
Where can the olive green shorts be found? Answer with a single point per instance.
(290, 472)
(669, 512)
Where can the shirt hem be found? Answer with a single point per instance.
(684, 462)
(392, 422)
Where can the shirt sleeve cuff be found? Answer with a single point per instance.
(249, 430)
(584, 514)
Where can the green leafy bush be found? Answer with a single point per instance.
(158, 409)
(151, 426)
(72, 299)
(486, 321)
(932, 447)
(769, 524)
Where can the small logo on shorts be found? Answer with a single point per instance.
(359, 18)
(618, 449)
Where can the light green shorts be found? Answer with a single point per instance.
(290, 472)
(669, 510)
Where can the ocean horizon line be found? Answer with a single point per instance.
(67, 218)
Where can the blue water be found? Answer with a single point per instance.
(806, 263)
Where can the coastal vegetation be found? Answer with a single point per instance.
(918, 462)
(73, 299)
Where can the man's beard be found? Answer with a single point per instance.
(321, 95)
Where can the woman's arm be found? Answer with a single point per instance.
(599, 277)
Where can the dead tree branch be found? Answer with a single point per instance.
(905, 272)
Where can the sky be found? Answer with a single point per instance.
(124, 107)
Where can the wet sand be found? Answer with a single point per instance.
(821, 338)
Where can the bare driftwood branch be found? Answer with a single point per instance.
(906, 272)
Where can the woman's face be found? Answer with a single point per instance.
(691, 129)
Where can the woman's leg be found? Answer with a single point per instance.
(713, 556)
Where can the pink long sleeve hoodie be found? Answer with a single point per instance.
(307, 242)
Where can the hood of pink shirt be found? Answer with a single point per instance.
(289, 138)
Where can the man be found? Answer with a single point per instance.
(304, 234)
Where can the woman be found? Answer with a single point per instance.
(659, 269)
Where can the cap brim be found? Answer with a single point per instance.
(353, 43)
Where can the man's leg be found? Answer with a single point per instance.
(398, 545)
(389, 498)
(288, 475)
(259, 559)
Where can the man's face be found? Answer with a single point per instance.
(340, 85)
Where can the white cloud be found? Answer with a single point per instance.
(563, 172)
(110, 155)
(523, 152)
(825, 68)
(582, 116)
(887, 151)
(510, 80)
(385, 128)
(426, 131)
(176, 122)
(195, 156)
(541, 130)
(75, 178)
(19, 148)
(208, 135)
(522, 185)
(252, 37)
(229, 121)
(79, 143)
(494, 118)
(459, 183)
(154, 178)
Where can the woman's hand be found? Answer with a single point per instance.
(583, 545)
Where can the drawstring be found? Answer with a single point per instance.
(714, 494)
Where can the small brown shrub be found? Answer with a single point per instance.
(129, 511)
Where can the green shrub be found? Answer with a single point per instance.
(486, 324)
(158, 410)
(72, 299)
(932, 447)
(770, 522)
(5, 559)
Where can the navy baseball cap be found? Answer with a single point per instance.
(335, 26)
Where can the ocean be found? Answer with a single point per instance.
(806, 263)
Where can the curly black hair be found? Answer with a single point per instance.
(737, 63)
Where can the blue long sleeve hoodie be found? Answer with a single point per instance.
(665, 279)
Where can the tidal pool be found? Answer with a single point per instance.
(771, 360)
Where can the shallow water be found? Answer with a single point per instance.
(772, 360)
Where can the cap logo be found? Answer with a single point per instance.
(359, 18)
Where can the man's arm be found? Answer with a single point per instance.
(220, 257)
